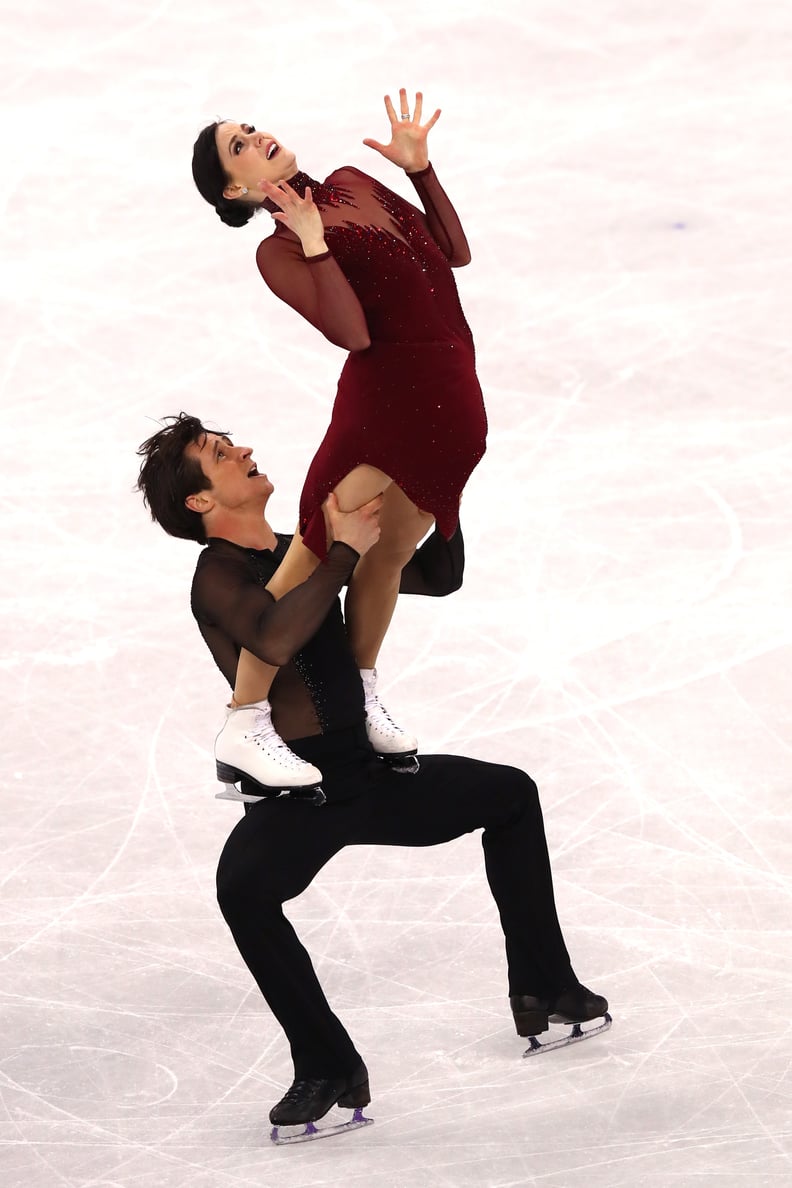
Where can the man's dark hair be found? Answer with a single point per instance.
(168, 475)
(210, 179)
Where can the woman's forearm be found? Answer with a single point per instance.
(443, 220)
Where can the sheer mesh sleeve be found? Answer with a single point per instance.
(225, 595)
(317, 288)
(436, 568)
(443, 220)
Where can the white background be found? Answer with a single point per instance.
(622, 170)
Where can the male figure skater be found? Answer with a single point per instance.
(200, 486)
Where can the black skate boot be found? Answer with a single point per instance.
(578, 1005)
(306, 1101)
(533, 1016)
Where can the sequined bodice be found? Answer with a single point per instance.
(383, 246)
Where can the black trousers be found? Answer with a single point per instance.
(279, 845)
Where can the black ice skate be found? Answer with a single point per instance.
(306, 1102)
(533, 1016)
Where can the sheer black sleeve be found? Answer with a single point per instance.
(436, 568)
(225, 595)
(441, 217)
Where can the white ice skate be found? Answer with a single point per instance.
(249, 751)
(394, 745)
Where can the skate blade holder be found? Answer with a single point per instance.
(305, 1132)
(250, 793)
(574, 1037)
(408, 764)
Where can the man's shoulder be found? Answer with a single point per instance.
(220, 566)
(223, 556)
(218, 554)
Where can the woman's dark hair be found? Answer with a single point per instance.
(210, 178)
(168, 475)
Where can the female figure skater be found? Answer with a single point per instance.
(373, 274)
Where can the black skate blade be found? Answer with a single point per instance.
(407, 764)
(307, 1131)
(574, 1037)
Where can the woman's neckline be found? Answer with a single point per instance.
(322, 193)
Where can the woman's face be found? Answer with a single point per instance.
(248, 157)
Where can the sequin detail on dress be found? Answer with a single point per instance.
(323, 195)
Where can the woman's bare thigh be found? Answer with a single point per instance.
(360, 486)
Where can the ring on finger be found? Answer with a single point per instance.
(405, 115)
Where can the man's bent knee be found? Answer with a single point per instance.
(521, 790)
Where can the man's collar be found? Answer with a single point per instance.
(214, 541)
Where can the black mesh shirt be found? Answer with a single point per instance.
(317, 690)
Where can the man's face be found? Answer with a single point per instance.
(236, 482)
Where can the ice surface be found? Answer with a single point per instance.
(622, 168)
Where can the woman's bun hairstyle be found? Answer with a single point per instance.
(210, 180)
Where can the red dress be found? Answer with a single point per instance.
(408, 399)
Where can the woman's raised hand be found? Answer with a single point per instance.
(407, 148)
(300, 215)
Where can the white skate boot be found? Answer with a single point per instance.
(249, 751)
(397, 748)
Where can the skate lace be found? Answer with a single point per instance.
(265, 736)
(300, 1090)
(375, 709)
(379, 719)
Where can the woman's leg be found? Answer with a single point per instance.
(375, 583)
(372, 594)
(253, 677)
(368, 610)
(248, 745)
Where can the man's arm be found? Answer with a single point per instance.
(225, 595)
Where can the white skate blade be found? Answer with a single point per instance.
(307, 1131)
(574, 1037)
(231, 792)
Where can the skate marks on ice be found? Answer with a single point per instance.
(574, 1036)
(308, 1131)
